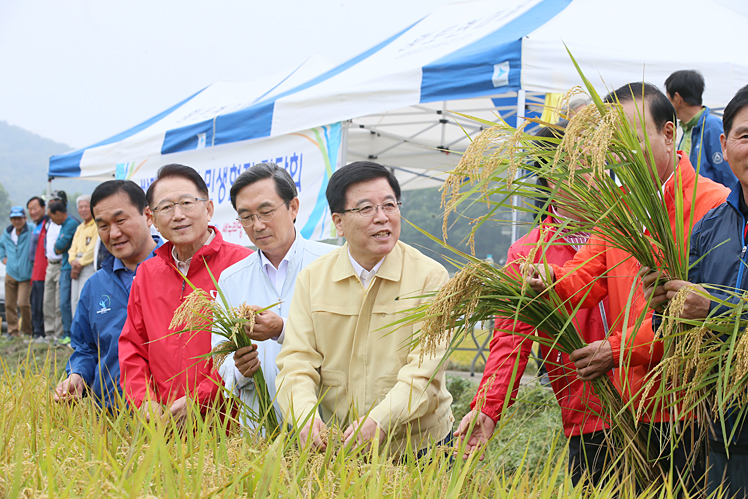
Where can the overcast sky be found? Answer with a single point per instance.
(79, 71)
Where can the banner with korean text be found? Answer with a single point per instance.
(310, 157)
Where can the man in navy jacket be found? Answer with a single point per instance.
(701, 130)
(123, 220)
(718, 257)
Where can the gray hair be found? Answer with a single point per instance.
(83, 197)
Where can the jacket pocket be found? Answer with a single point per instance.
(383, 385)
(332, 392)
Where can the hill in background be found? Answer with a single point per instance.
(24, 161)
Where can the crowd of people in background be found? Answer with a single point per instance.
(49, 256)
(324, 337)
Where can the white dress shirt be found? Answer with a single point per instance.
(184, 267)
(277, 278)
(365, 276)
(53, 232)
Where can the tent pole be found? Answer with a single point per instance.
(343, 157)
(444, 124)
(344, 142)
(515, 200)
(49, 187)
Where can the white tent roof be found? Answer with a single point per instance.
(469, 50)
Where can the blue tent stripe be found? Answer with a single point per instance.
(471, 71)
(187, 138)
(68, 165)
(256, 121)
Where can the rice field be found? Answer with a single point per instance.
(60, 450)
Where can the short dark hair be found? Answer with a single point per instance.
(738, 102)
(177, 170)
(112, 187)
(660, 107)
(57, 206)
(688, 83)
(285, 187)
(360, 171)
(38, 199)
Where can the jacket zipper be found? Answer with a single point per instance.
(742, 253)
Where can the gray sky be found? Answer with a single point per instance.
(79, 71)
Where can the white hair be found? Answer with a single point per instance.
(83, 197)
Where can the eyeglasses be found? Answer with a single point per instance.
(186, 205)
(369, 210)
(262, 216)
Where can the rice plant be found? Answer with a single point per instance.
(49, 449)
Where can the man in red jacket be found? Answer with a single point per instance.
(507, 360)
(159, 368)
(631, 349)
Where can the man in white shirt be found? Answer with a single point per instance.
(52, 313)
(266, 201)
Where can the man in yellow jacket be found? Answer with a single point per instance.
(81, 252)
(341, 363)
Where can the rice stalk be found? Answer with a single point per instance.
(199, 312)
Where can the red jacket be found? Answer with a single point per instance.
(40, 254)
(168, 367)
(599, 258)
(578, 402)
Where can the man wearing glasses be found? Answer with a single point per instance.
(342, 354)
(266, 201)
(162, 372)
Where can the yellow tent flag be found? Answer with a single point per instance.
(550, 115)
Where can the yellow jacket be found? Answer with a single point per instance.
(84, 241)
(337, 347)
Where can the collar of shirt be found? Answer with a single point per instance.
(277, 276)
(364, 275)
(692, 122)
(184, 267)
(126, 275)
(575, 239)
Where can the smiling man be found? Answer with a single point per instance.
(341, 352)
(717, 257)
(266, 201)
(161, 371)
(123, 220)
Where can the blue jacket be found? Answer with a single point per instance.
(18, 266)
(98, 322)
(65, 240)
(718, 256)
(709, 150)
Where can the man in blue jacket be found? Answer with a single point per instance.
(265, 198)
(14, 250)
(58, 213)
(123, 220)
(701, 130)
(718, 257)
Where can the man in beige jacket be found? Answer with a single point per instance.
(339, 355)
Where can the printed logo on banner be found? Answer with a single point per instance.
(125, 171)
(500, 74)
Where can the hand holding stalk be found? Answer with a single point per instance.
(247, 360)
(593, 361)
(476, 429)
(696, 304)
(313, 433)
(539, 276)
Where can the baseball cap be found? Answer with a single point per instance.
(17, 211)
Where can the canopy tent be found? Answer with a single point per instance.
(394, 103)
